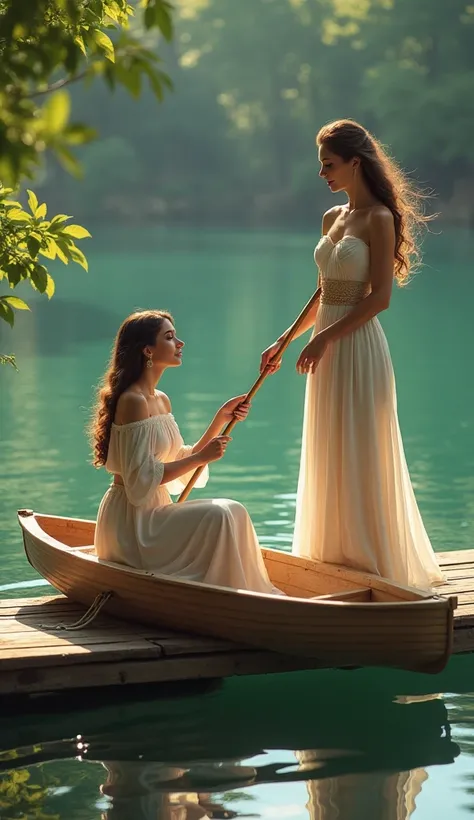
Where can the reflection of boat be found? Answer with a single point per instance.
(352, 719)
(339, 616)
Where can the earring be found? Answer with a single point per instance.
(149, 362)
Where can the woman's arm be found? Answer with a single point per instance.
(133, 407)
(214, 429)
(308, 323)
(234, 408)
(328, 221)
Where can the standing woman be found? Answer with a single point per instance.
(355, 504)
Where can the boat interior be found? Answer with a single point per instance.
(295, 576)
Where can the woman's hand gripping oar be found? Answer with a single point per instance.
(287, 339)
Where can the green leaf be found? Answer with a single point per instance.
(72, 58)
(69, 162)
(50, 286)
(41, 211)
(15, 302)
(4, 359)
(15, 273)
(80, 42)
(6, 313)
(78, 256)
(149, 16)
(49, 249)
(62, 251)
(111, 12)
(131, 78)
(32, 201)
(18, 215)
(105, 43)
(156, 82)
(56, 112)
(77, 231)
(108, 74)
(79, 134)
(58, 220)
(39, 278)
(33, 245)
(163, 20)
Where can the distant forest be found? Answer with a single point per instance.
(233, 143)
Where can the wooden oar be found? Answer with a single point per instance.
(257, 385)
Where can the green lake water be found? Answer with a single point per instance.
(356, 745)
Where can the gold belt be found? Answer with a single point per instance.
(343, 291)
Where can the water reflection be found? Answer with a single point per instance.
(135, 792)
(313, 746)
(358, 797)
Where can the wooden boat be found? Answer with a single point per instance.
(339, 616)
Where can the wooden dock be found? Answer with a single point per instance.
(36, 657)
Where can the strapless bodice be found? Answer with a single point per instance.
(345, 270)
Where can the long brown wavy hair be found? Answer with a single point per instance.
(388, 184)
(125, 367)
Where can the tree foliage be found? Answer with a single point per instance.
(45, 45)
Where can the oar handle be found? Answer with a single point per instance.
(288, 338)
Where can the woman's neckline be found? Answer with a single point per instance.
(346, 236)
(142, 421)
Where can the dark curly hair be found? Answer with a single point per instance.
(125, 367)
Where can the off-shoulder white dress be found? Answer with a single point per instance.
(213, 540)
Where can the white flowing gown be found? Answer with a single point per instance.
(355, 502)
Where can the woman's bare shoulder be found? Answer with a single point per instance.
(380, 215)
(164, 401)
(330, 217)
(131, 406)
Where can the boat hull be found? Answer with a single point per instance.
(411, 634)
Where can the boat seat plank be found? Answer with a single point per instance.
(362, 594)
(330, 577)
(88, 548)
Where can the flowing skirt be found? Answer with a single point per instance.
(355, 503)
(213, 541)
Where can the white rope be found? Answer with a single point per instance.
(95, 608)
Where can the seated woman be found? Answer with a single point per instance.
(136, 438)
